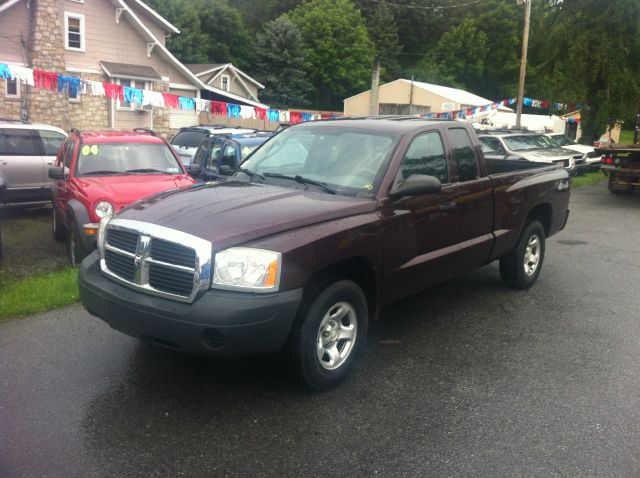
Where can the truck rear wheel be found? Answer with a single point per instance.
(329, 334)
(521, 268)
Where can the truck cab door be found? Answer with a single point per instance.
(420, 230)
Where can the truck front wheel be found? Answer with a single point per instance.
(329, 334)
(521, 268)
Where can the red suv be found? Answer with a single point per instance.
(97, 173)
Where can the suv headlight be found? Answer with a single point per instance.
(104, 209)
(242, 268)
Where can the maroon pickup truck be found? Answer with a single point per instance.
(322, 225)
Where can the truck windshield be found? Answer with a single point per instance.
(126, 158)
(350, 161)
(527, 142)
(562, 140)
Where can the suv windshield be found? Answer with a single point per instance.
(350, 161)
(126, 158)
(190, 139)
(528, 142)
(562, 140)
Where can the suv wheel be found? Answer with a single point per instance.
(330, 333)
(521, 268)
(58, 228)
(75, 249)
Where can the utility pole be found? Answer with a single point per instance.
(375, 82)
(523, 59)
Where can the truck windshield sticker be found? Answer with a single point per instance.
(94, 149)
(86, 149)
(245, 151)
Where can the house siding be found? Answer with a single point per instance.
(14, 25)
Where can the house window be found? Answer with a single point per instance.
(12, 88)
(224, 81)
(139, 84)
(73, 31)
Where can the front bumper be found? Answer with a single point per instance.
(218, 323)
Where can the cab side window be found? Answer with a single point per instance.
(426, 156)
(491, 146)
(463, 154)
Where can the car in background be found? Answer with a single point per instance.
(218, 157)
(26, 152)
(98, 173)
(522, 145)
(187, 140)
(592, 158)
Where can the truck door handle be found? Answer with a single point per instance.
(448, 206)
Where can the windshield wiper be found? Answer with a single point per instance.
(251, 174)
(302, 180)
(100, 173)
(146, 170)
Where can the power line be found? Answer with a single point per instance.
(425, 7)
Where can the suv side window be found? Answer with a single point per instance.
(463, 154)
(214, 155)
(229, 157)
(425, 155)
(491, 145)
(51, 140)
(18, 142)
(201, 154)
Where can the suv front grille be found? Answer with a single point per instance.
(155, 259)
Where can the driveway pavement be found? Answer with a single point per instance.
(468, 378)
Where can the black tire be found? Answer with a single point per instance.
(57, 227)
(75, 249)
(340, 295)
(513, 270)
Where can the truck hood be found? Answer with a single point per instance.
(123, 190)
(579, 148)
(545, 155)
(232, 213)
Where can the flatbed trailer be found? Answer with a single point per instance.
(621, 162)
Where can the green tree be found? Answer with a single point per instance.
(458, 59)
(281, 64)
(338, 49)
(383, 32)
(590, 53)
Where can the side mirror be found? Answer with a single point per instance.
(417, 184)
(56, 173)
(225, 170)
(192, 169)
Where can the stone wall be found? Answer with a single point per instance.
(161, 115)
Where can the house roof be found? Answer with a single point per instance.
(210, 71)
(454, 95)
(156, 17)
(8, 4)
(124, 70)
(198, 68)
(163, 52)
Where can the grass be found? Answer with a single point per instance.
(626, 136)
(586, 179)
(20, 297)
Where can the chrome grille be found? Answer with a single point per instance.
(155, 259)
(121, 265)
(125, 240)
(172, 253)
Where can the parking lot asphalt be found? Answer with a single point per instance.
(468, 378)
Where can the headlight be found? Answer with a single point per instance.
(242, 268)
(101, 231)
(104, 209)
